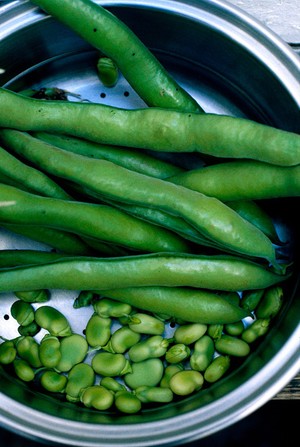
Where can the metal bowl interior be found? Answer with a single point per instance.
(231, 64)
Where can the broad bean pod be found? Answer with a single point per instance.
(129, 158)
(215, 272)
(154, 128)
(116, 40)
(139, 161)
(229, 229)
(99, 222)
(243, 179)
(33, 179)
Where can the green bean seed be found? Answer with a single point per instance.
(23, 312)
(112, 384)
(152, 347)
(186, 382)
(189, 333)
(203, 353)
(270, 304)
(97, 397)
(53, 381)
(169, 372)
(107, 308)
(127, 402)
(154, 394)
(107, 71)
(80, 376)
(232, 346)
(98, 331)
(53, 321)
(8, 352)
(34, 296)
(28, 349)
(177, 353)
(49, 351)
(217, 368)
(256, 330)
(122, 340)
(73, 350)
(251, 299)
(111, 365)
(23, 370)
(146, 373)
(215, 331)
(30, 329)
(234, 329)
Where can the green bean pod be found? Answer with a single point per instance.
(218, 272)
(260, 180)
(110, 35)
(57, 239)
(99, 222)
(129, 158)
(104, 178)
(31, 179)
(154, 128)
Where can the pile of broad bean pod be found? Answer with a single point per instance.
(147, 242)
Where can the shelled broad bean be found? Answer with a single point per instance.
(130, 359)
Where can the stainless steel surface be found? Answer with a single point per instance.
(232, 64)
(281, 16)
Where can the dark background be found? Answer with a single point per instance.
(277, 423)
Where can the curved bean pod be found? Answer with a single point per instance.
(211, 217)
(107, 33)
(129, 158)
(161, 269)
(260, 180)
(85, 219)
(154, 128)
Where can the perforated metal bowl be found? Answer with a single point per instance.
(231, 64)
